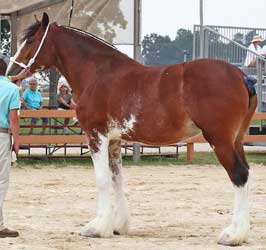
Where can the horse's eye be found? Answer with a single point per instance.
(29, 41)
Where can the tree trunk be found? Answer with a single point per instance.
(53, 76)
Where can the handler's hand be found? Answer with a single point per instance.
(15, 148)
(23, 74)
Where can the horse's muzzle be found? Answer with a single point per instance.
(15, 69)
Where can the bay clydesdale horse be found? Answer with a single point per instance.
(120, 99)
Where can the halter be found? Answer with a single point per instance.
(32, 60)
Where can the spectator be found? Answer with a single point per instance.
(250, 60)
(32, 99)
(263, 51)
(64, 97)
(9, 122)
(65, 101)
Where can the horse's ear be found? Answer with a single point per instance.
(45, 20)
(36, 19)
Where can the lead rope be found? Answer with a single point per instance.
(71, 12)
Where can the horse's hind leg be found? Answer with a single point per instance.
(238, 172)
(121, 217)
(102, 225)
(237, 232)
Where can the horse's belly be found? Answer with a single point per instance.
(158, 135)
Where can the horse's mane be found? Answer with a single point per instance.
(31, 30)
(90, 35)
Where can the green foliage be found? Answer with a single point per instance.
(200, 158)
(159, 50)
(48, 131)
(54, 162)
(5, 37)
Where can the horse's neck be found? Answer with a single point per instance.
(83, 64)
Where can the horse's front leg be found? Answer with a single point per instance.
(121, 215)
(102, 225)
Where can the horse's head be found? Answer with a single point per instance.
(36, 50)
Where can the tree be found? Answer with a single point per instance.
(249, 36)
(158, 50)
(104, 22)
(5, 37)
(183, 43)
(239, 37)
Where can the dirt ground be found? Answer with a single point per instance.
(172, 208)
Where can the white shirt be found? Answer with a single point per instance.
(251, 57)
(263, 50)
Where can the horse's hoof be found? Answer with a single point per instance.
(121, 225)
(121, 230)
(230, 237)
(91, 233)
(97, 228)
(94, 233)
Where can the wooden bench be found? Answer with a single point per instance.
(50, 139)
(55, 141)
(51, 143)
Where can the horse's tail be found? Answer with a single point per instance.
(253, 101)
(250, 83)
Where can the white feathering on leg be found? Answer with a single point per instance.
(237, 232)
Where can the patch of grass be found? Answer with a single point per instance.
(55, 162)
(52, 131)
(200, 158)
(256, 157)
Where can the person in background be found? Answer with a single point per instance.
(64, 97)
(32, 99)
(263, 51)
(250, 60)
(9, 123)
(65, 101)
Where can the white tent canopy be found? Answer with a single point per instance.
(10, 6)
(111, 20)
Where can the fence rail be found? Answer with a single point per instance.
(225, 42)
(230, 44)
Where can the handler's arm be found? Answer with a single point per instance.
(14, 125)
(21, 75)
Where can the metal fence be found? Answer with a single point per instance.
(231, 45)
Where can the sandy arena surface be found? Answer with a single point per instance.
(172, 208)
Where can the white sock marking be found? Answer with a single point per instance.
(237, 232)
(102, 225)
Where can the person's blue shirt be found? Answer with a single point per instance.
(33, 99)
(9, 99)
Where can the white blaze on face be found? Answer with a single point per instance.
(15, 57)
